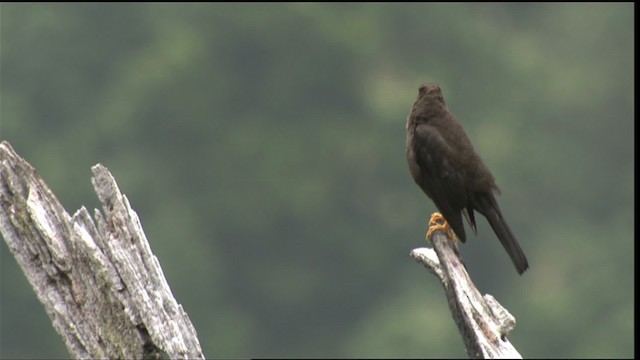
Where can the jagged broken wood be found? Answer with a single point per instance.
(102, 287)
(483, 323)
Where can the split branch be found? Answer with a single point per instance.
(101, 286)
(483, 323)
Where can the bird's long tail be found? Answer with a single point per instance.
(506, 237)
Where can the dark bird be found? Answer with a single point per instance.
(444, 164)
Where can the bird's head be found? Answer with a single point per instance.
(429, 103)
(430, 93)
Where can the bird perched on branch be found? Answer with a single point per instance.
(444, 164)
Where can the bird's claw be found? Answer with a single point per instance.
(438, 222)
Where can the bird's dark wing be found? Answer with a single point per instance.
(470, 218)
(440, 177)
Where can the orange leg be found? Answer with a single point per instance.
(438, 222)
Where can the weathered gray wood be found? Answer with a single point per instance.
(483, 323)
(102, 287)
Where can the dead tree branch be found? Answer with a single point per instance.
(102, 287)
(483, 323)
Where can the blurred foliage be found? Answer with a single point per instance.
(262, 146)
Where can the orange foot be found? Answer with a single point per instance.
(438, 222)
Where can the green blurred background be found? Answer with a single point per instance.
(262, 146)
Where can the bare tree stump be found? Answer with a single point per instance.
(483, 323)
(102, 287)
